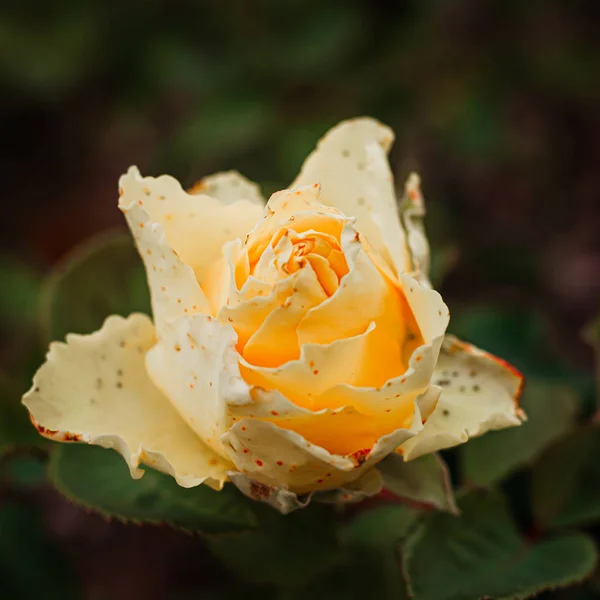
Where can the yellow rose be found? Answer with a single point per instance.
(294, 345)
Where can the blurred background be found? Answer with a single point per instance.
(494, 103)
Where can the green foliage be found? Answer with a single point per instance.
(31, 564)
(551, 412)
(373, 539)
(102, 277)
(15, 427)
(481, 554)
(424, 481)
(285, 549)
(566, 481)
(98, 479)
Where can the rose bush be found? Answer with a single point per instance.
(293, 347)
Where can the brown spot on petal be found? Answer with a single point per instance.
(259, 491)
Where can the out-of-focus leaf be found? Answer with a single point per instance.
(591, 334)
(551, 411)
(424, 481)
(102, 277)
(29, 561)
(443, 260)
(520, 336)
(373, 539)
(481, 555)
(99, 479)
(21, 285)
(566, 481)
(286, 550)
(24, 471)
(15, 427)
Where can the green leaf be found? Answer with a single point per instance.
(482, 555)
(99, 480)
(424, 481)
(15, 427)
(29, 559)
(286, 550)
(591, 334)
(566, 481)
(23, 282)
(551, 411)
(102, 277)
(373, 538)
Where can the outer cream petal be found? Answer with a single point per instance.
(229, 187)
(286, 501)
(196, 226)
(196, 365)
(297, 464)
(173, 285)
(95, 389)
(412, 212)
(480, 393)
(351, 164)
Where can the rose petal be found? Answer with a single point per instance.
(196, 226)
(95, 389)
(276, 456)
(412, 211)
(196, 365)
(480, 393)
(173, 285)
(351, 165)
(276, 340)
(285, 501)
(229, 187)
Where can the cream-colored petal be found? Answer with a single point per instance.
(95, 389)
(412, 212)
(480, 393)
(285, 501)
(196, 226)
(173, 286)
(350, 162)
(275, 456)
(229, 187)
(196, 365)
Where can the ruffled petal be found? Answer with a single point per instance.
(173, 286)
(276, 341)
(95, 389)
(285, 501)
(351, 164)
(229, 187)
(278, 457)
(196, 226)
(196, 365)
(412, 212)
(480, 393)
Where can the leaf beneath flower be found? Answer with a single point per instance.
(482, 555)
(99, 480)
(102, 277)
(551, 411)
(423, 481)
(566, 481)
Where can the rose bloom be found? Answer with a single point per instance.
(294, 345)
